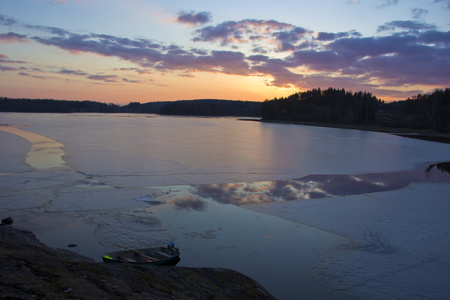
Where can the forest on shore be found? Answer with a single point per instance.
(338, 106)
(331, 106)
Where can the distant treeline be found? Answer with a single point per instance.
(54, 106)
(430, 111)
(213, 108)
(205, 107)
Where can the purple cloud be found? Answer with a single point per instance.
(278, 69)
(287, 39)
(194, 18)
(130, 80)
(52, 30)
(12, 37)
(72, 72)
(317, 60)
(238, 32)
(435, 37)
(406, 25)
(139, 51)
(329, 36)
(419, 54)
(104, 78)
(26, 74)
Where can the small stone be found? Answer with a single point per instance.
(72, 245)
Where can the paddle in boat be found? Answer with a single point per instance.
(162, 256)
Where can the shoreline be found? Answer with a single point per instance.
(421, 134)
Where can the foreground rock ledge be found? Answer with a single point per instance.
(32, 270)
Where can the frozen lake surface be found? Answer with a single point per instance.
(96, 180)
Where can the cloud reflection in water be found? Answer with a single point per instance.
(308, 187)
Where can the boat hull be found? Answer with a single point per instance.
(158, 256)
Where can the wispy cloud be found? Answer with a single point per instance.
(27, 74)
(105, 78)
(406, 25)
(444, 1)
(5, 59)
(7, 21)
(72, 72)
(418, 13)
(12, 37)
(386, 3)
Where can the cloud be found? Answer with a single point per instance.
(395, 60)
(435, 37)
(26, 74)
(418, 12)
(445, 1)
(72, 72)
(415, 53)
(279, 70)
(230, 32)
(5, 59)
(7, 21)
(12, 37)
(130, 80)
(104, 78)
(49, 29)
(405, 25)
(288, 39)
(329, 36)
(387, 3)
(193, 18)
(139, 51)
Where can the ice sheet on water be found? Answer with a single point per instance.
(75, 198)
(131, 228)
(15, 149)
(9, 201)
(37, 180)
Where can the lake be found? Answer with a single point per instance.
(96, 180)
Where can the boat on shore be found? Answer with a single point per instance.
(160, 256)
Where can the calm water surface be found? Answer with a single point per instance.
(138, 180)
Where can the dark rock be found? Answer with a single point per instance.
(32, 270)
(7, 221)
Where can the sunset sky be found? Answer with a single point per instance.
(118, 51)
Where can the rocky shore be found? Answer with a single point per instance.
(32, 270)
